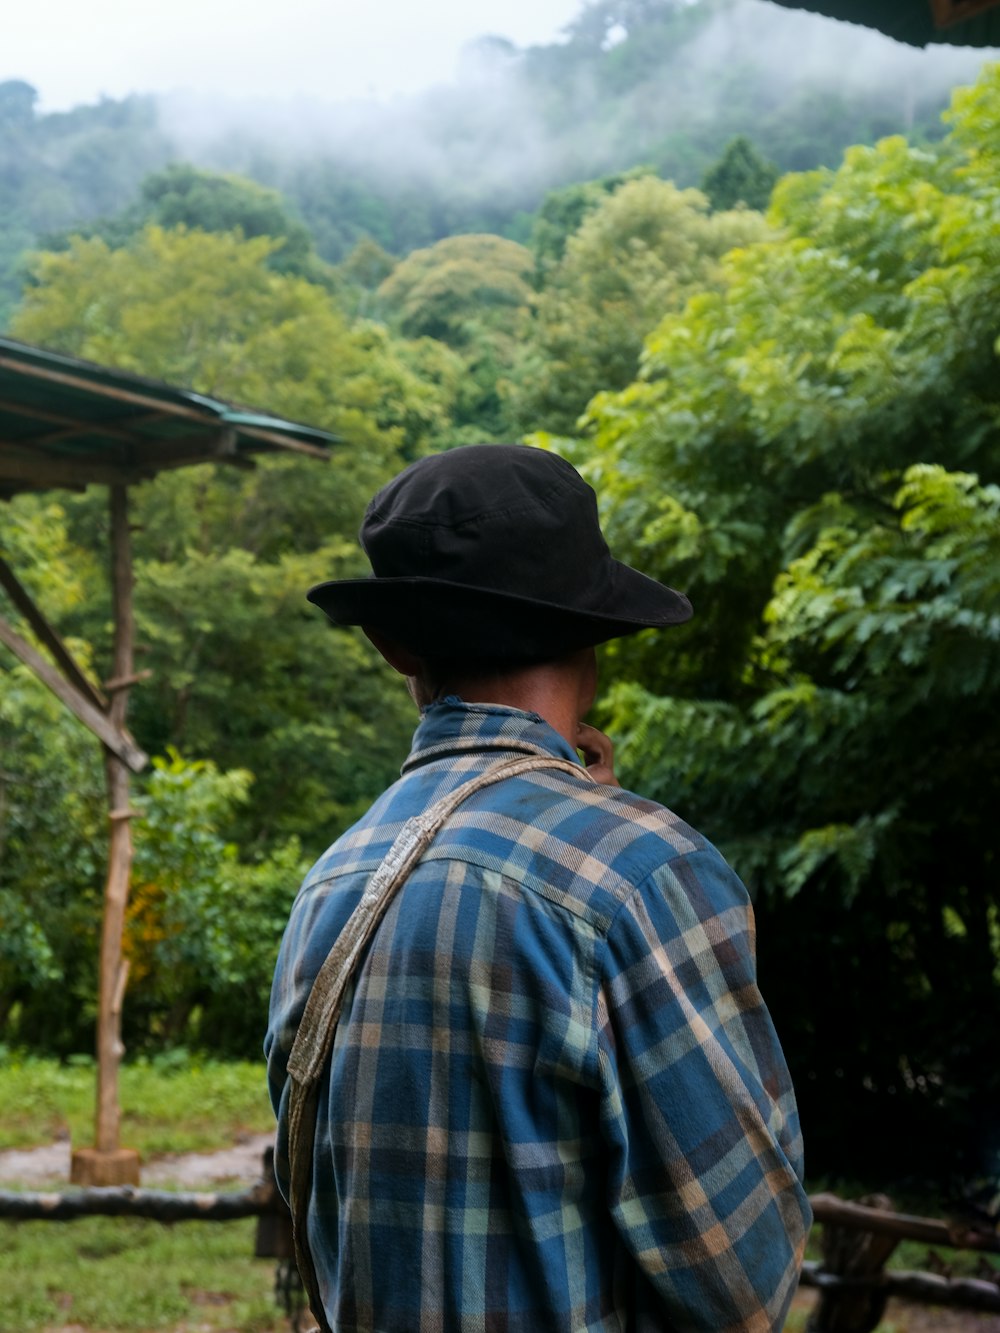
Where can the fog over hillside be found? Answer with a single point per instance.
(659, 84)
(521, 117)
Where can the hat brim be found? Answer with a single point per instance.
(436, 618)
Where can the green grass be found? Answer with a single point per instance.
(173, 1104)
(912, 1255)
(104, 1274)
(107, 1274)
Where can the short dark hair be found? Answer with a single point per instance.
(442, 672)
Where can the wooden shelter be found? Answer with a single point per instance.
(917, 22)
(69, 424)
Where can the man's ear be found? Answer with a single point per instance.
(398, 657)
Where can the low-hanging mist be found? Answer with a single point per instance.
(665, 84)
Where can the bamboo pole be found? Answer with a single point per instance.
(77, 425)
(161, 406)
(98, 387)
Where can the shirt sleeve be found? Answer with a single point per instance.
(697, 1108)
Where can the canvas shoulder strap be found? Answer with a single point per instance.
(314, 1039)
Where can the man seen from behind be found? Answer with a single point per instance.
(537, 1089)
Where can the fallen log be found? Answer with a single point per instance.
(126, 1201)
(969, 1293)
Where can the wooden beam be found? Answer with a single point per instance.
(42, 471)
(285, 442)
(118, 742)
(158, 406)
(200, 447)
(74, 424)
(929, 1288)
(8, 492)
(827, 1208)
(163, 456)
(104, 390)
(134, 437)
(113, 967)
(214, 445)
(64, 659)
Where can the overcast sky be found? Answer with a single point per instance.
(332, 49)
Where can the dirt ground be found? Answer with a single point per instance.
(47, 1168)
(906, 1317)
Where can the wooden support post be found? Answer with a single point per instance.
(107, 1163)
(859, 1255)
(273, 1239)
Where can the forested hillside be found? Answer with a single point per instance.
(789, 405)
(660, 83)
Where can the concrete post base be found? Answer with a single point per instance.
(90, 1166)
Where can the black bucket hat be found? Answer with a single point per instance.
(494, 551)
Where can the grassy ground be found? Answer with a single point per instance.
(174, 1104)
(102, 1274)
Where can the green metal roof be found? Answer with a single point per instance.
(67, 423)
(917, 22)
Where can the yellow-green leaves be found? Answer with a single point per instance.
(637, 256)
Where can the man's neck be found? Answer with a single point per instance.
(560, 692)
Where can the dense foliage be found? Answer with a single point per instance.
(244, 674)
(639, 251)
(823, 431)
(793, 416)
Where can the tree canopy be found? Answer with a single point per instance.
(470, 293)
(812, 450)
(183, 196)
(640, 250)
(740, 176)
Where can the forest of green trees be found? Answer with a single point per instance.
(661, 84)
(788, 400)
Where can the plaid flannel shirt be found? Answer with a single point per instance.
(556, 1100)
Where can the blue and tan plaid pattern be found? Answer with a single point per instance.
(556, 1100)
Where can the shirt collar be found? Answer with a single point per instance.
(451, 726)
